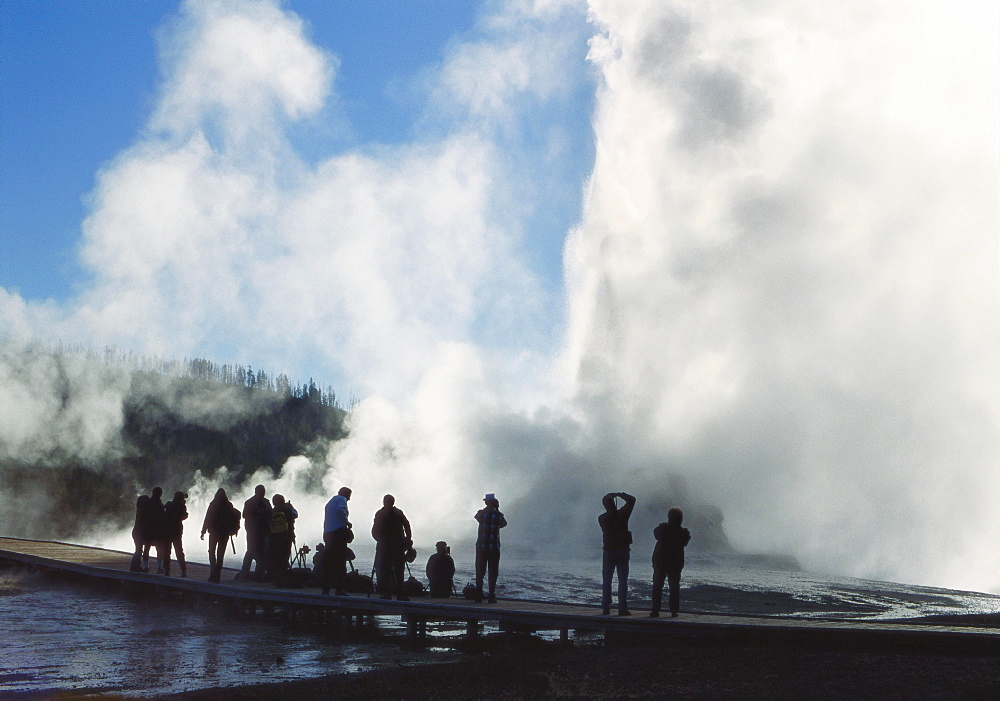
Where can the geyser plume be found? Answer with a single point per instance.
(782, 291)
(785, 284)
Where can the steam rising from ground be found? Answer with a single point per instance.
(782, 294)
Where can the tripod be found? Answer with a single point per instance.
(299, 556)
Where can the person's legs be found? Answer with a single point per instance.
(260, 555)
(622, 567)
(399, 574)
(220, 554)
(493, 563)
(160, 545)
(674, 579)
(280, 549)
(659, 576)
(179, 552)
(383, 566)
(480, 569)
(339, 560)
(607, 571)
(167, 546)
(136, 564)
(214, 560)
(333, 562)
(248, 557)
(145, 555)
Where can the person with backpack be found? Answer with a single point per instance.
(668, 561)
(617, 542)
(174, 513)
(280, 537)
(257, 522)
(222, 521)
(393, 537)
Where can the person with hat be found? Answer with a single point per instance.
(441, 571)
(393, 541)
(490, 520)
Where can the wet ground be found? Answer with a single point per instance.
(62, 635)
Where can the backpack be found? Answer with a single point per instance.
(279, 522)
(231, 520)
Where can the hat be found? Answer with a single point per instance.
(490, 497)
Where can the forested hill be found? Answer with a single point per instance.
(158, 424)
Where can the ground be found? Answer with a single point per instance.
(702, 669)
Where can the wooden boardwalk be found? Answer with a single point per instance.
(511, 615)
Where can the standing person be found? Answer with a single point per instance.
(617, 539)
(668, 560)
(280, 537)
(222, 521)
(256, 521)
(490, 520)
(175, 512)
(337, 534)
(391, 531)
(441, 571)
(138, 535)
(156, 529)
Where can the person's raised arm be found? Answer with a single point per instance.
(626, 510)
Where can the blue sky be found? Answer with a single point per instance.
(79, 80)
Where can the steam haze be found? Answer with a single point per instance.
(780, 301)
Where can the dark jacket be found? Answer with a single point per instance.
(614, 526)
(391, 528)
(154, 520)
(174, 513)
(257, 515)
(669, 551)
(440, 568)
(220, 517)
(139, 530)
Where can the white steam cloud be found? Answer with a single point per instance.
(782, 296)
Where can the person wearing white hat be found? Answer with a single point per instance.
(490, 520)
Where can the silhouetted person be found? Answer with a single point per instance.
(281, 537)
(139, 536)
(668, 560)
(222, 520)
(174, 514)
(256, 521)
(617, 539)
(441, 571)
(391, 531)
(156, 528)
(490, 520)
(337, 534)
(319, 560)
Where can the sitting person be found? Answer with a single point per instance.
(319, 559)
(441, 571)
